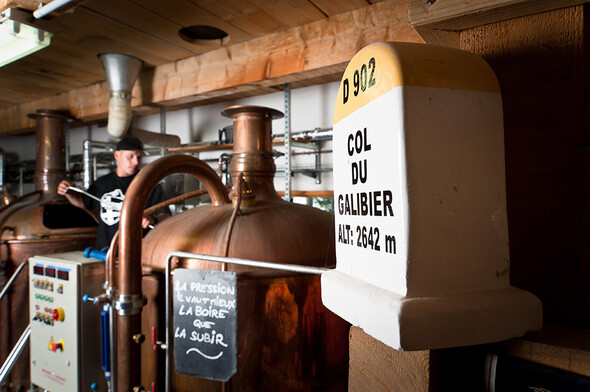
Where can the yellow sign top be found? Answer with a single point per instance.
(382, 66)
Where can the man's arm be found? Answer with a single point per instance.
(156, 197)
(73, 197)
(154, 219)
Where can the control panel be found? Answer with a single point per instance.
(65, 331)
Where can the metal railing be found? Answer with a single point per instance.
(24, 338)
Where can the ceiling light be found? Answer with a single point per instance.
(18, 39)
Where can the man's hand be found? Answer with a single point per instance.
(73, 197)
(64, 187)
(147, 221)
(151, 220)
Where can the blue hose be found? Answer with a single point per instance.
(91, 252)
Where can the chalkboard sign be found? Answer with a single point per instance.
(205, 323)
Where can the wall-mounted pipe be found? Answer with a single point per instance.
(88, 168)
(49, 8)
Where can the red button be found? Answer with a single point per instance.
(58, 314)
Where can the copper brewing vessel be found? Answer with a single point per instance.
(287, 340)
(39, 223)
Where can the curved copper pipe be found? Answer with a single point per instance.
(129, 276)
(177, 199)
(112, 250)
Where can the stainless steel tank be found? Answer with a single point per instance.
(42, 222)
(287, 340)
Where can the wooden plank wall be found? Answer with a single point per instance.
(542, 65)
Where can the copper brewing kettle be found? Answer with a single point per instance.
(287, 340)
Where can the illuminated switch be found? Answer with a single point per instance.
(60, 289)
(56, 346)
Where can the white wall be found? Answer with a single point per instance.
(311, 107)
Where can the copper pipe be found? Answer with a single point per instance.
(309, 193)
(110, 261)
(128, 352)
(177, 199)
(232, 220)
(129, 277)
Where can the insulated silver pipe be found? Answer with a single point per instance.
(87, 166)
(312, 135)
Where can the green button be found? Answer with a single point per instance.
(50, 299)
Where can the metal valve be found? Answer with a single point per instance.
(156, 344)
(139, 338)
(95, 300)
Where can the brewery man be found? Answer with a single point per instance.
(111, 188)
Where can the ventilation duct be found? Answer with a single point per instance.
(121, 71)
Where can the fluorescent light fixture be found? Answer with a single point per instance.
(18, 39)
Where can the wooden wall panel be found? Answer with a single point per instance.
(542, 67)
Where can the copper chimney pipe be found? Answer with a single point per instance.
(50, 167)
(6, 197)
(129, 297)
(253, 154)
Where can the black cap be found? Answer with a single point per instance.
(129, 143)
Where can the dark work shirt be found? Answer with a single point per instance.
(111, 190)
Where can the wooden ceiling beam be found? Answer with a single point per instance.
(306, 54)
(440, 22)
